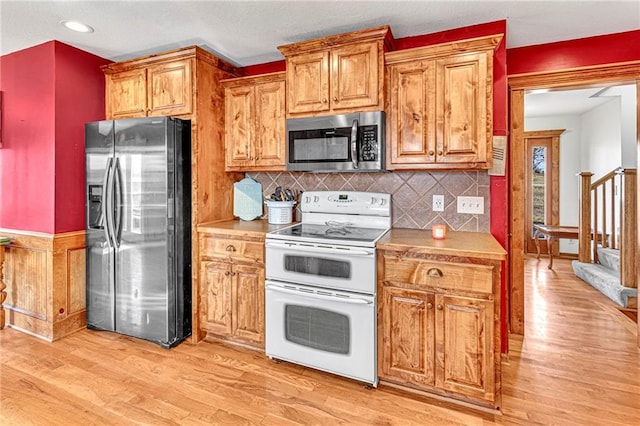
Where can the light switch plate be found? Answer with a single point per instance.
(438, 203)
(471, 205)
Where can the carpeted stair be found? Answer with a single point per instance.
(605, 276)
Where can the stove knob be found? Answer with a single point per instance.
(316, 199)
(374, 200)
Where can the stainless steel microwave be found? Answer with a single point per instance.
(336, 143)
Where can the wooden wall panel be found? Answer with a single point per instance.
(76, 293)
(45, 277)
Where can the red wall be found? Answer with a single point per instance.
(49, 92)
(27, 159)
(606, 49)
(79, 99)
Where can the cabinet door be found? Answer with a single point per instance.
(270, 125)
(239, 135)
(308, 82)
(464, 338)
(248, 303)
(463, 118)
(169, 88)
(126, 94)
(354, 76)
(215, 299)
(408, 337)
(411, 114)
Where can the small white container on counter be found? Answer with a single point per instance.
(280, 212)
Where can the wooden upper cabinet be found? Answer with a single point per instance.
(411, 120)
(255, 123)
(340, 73)
(464, 127)
(440, 106)
(151, 86)
(308, 82)
(126, 94)
(169, 88)
(355, 82)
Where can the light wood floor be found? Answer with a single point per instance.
(579, 364)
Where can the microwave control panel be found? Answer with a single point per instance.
(369, 143)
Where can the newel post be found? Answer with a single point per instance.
(628, 229)
(584, 226)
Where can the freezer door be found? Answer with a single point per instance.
(142, 190)
(100, 255)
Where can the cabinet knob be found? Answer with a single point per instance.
(434, 273)
(439, 307)
(233, 274)
(439, 152)
(429, 305)
(324, 101)
(227, 273)
(416, 117)
(335, 99)
(431, 153)
(230, 248)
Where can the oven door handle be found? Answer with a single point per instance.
(319, 296)
(320, 250)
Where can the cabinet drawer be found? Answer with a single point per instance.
(252, 251)
(432, 273)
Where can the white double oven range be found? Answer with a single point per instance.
(321, 284)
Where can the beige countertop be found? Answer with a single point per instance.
(240, 227)
(468, 244)
(471, 244)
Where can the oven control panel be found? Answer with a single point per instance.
(346, 202)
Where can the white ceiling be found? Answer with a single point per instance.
(565, 102)
(248, 32)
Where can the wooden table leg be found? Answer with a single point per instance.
(550, 250)
(537, 240)
(3, 286)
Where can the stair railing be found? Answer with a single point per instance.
(602, 208)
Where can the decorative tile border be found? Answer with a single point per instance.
(411, 193)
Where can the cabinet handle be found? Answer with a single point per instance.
(439, 152)
(233, 274)
(439, 307)
(324, 101)
(227, 273)
(230, 248)
(429, 305)
(431, 153)
(416, 117)
(434, 273)
(335, 99)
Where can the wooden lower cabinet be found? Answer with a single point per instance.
(437, 327)
(408, 336)
(232, 290)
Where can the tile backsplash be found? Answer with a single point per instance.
(411, 193)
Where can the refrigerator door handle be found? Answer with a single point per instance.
(117, 185)
(109, 196)
(104, 208)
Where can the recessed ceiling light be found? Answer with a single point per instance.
(77, 26)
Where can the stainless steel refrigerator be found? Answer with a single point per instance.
(138, 205)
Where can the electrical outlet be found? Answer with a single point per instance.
(438, 203)
(471, 205)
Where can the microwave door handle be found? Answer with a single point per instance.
(352, 301)
(354, 143)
